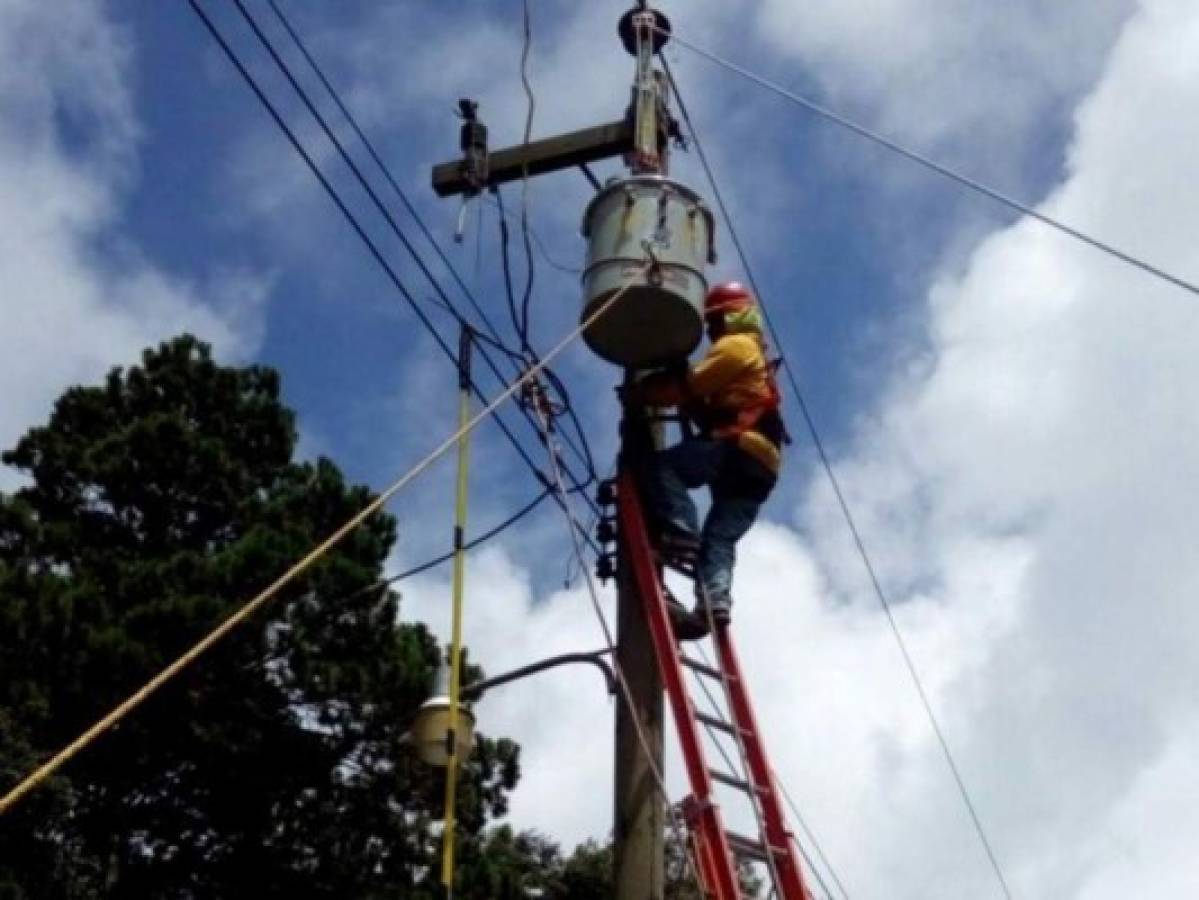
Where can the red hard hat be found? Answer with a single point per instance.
(727, 297)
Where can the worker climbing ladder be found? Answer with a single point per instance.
(718, 851)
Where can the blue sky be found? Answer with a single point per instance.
(1010, 413)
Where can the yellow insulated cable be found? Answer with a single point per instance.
(459, 584)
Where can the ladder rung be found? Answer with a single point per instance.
(716, 722)
(747, 847)
(703, 668)
(733, 782)
(751, 848)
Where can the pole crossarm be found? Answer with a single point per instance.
(564, 151)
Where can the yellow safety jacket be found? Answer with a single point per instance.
(729, 394)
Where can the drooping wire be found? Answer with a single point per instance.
(847, 514)
(541, 248)
(372, 248)
(383, 169)
(436, 561)
(626, 693)
(808, 833)
(583, 447)
(939, 168)
(583, 452)
(578, 485)
(524, 196)
(127, 706)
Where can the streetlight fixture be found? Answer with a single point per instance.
(430, 733)
(431, 729)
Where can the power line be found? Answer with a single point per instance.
(378, 160)
(358, 229)
(846, 513)
(469, 545)
(741, 772)
(625, 691)
(47, 769)
(584, 452)
(349, 161)
(941, 169)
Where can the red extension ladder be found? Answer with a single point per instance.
(717, 851)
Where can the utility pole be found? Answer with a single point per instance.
(670, 216)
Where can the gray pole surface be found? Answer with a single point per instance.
(639, 824)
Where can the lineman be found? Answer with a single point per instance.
(732, 399)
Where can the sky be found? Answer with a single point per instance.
(1009, 411)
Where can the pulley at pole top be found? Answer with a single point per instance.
(658, 24)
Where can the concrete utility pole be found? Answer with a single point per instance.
(639, 808)
(642, 138)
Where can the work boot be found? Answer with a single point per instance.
(686, 625)
(721, 606)
(678, 548)
(673, 540)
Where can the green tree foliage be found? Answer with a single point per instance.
(154, 506)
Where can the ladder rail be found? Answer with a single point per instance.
(789, 874)
(718, 861)
(754, 787)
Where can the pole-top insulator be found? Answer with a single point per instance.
(628, 31)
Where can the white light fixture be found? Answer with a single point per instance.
(431, 729)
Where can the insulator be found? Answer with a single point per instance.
(605, 531)
(605, 493)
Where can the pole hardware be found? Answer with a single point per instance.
(605, 567)
(605, 492)
(652, 21)
(605, 531)
(472, 139)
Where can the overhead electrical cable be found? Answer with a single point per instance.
(581, 449)
(556, 383)
(384, 170)
(436, 561)
(366, 186)
(368, 242)
(524, 195)
(626, 694)
(715, 707)
(941, 169)
(541, 248)
(47, 769)
(851, 522)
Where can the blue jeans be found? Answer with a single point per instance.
(739, 485)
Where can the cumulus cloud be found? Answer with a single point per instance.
(81, 296)
(1026, 482)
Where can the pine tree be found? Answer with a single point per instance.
(155, 504)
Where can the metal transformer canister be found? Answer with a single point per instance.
(660, 318)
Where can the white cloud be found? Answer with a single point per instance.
(76, 306)
(1027, 483)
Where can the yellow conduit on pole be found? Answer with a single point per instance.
(451, 775)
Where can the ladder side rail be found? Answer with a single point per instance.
(649, 585)
(790, 873)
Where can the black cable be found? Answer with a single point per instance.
(578, 486)
(940, 169)
(827, 465)
(506, 265)
(492, 338)
(469, 545)
(584, 447)
(370, 245)
(524, 199)
(370, 148)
